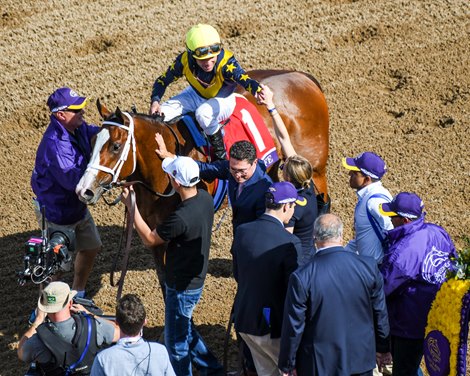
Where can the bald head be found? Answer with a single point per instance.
(328, 231)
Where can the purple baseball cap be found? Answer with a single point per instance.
(404, 204)
(66, 99)
(284, 192)
(368, 163)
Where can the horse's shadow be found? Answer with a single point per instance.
(141, 258)
(220, 268)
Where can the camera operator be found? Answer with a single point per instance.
(61, 160)
(59, 335)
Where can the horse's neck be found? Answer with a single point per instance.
(144, 133)
(177, 140)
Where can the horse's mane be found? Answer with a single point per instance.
(153, 119)
(156, 120)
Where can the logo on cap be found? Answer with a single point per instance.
(183, 169)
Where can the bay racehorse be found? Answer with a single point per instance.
(125, 147)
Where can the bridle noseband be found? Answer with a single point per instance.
(116, 170)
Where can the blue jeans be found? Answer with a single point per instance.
(183, 342)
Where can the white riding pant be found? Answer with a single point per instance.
(209, 112)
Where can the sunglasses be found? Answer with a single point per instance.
(74, 111)
(203, 51)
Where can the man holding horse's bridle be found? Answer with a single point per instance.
(187, 232)
(61, 159)
(248, 182)
(213, 74)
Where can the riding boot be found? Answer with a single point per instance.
(217, 142)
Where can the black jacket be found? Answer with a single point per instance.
(264, 256)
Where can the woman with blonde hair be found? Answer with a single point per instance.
(298, 171)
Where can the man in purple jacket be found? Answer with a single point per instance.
(61, 159)
(414, 267)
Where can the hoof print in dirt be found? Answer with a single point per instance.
(446, 122)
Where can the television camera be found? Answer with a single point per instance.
(48, 254)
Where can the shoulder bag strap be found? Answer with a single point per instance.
(374, 223)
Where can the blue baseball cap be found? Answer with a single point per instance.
(368, 163)
(66, 99)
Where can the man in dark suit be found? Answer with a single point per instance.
(330, 310)
(264, 256)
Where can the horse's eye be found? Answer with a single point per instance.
(116, 146)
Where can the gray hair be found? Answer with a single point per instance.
(326, 227)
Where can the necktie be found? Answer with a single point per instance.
(240, 189)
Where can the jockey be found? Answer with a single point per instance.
(212, 73)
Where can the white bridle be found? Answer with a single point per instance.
(116, 170)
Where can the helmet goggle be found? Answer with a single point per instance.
(200, 52)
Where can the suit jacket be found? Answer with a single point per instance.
(264, 256)
(250, 204)
(331, 306)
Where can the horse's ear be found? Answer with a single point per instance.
(118, 114)
(104, 112)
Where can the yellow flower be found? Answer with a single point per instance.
(445, 315)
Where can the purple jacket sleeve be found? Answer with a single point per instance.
(393, 276)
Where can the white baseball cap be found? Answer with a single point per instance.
(183, 169)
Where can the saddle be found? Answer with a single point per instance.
(245, 123)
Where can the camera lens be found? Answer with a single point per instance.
(58, 238)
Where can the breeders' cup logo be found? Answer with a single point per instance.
(72, 93)
(435, 266)
(434, 349)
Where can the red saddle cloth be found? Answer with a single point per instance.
(246, 123)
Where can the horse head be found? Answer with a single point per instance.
(113, 158)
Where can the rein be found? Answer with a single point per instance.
(125, 183)
(127, 229)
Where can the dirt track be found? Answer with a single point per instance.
(395, 75)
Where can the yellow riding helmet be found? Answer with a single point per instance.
(202, 35)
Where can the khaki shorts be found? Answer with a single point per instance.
(86, 232)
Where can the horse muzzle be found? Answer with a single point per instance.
(89, 196)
